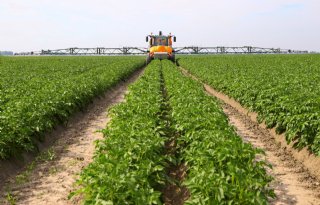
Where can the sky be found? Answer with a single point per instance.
(33, 25)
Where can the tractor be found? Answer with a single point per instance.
(160, 47)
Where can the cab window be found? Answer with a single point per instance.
(161, 41)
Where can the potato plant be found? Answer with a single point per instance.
(222, 169)
(282, 89)
(38, 93)
(131, 162)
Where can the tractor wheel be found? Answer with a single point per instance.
(173, 59)
(148, 60)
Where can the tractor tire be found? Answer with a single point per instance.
(173, 59)
(148, 60)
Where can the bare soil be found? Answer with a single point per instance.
(296, 173)
(293, 184)
(51, 181)
(175, 193)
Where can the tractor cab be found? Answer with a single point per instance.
(160, 47)
(159, 41)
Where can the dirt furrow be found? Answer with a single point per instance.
(174, 193)
(292, 184)
(296, 173)
(52, 179)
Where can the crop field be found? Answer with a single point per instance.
(282, 89)
(38, 93)
(165, 140)
(167, 122)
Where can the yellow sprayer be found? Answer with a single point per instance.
(160, 47)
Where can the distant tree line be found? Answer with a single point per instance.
(6, 53)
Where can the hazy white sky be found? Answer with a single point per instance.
(27, 25)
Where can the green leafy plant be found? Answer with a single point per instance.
(282, 89)
(38, 93)
(10, 199)
(222, 169)
(130, 163)
(128, 167)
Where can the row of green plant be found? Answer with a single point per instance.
(282, 89)
(130, 165)
(221, 168)
(37, 93)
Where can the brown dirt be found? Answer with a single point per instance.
(51, 181)
(296, 173)
(292, 184)
(174, 193)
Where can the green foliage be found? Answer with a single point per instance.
(129, 165)
(10, 199)
(221, 168)
(282, 89)
(37, 93)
